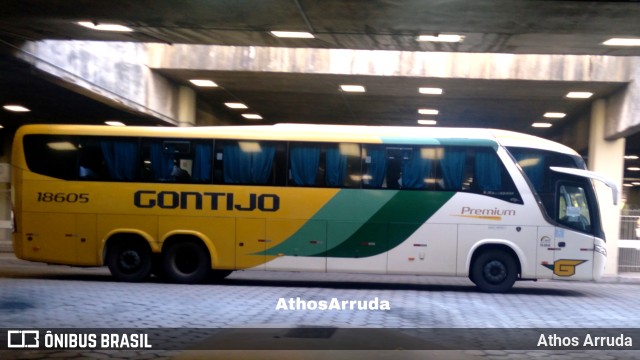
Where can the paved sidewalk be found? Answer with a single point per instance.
(36, 295)
(6, 247)
(624, 277)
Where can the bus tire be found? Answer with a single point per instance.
(186, 262)
(494, 271)
(129, 261)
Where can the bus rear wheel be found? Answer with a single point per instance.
(494, 271)
(129, 261)
(186, 262)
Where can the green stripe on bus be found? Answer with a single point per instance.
(401, 216)
(362, 223)
(440, 142)
(352, 206)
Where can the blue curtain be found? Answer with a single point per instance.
(453, 168)
(415, 170)
(336, 168)
(202, 163)
(533, 166)
(377, 168)
(120, 157)
(488, 171)
(261, 164)
(237, 165)
(161, 162)
(305, 160)
(247, 167)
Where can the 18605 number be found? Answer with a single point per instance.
(63, 197)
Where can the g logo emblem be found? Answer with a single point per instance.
(564, 267)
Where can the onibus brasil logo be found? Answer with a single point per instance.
(32, 339)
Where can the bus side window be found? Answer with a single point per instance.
(83, 157)
(180, 161)
(374, 166)
(248, 162)
(52, 155)
(408, 167)
(416, 166)
(202, 162)
(391, 167)
(453, 165)
(488, 171)
(490, 177)
(121, 160)
(305, 165)
(342, 165)
(324, 164)
(573, 210)
(420, 170)
(91, 161)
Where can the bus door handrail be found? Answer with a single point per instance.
(591, 175)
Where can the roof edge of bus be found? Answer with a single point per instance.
(517, 139)
(316, 131)
(286, 127)
(389, 130)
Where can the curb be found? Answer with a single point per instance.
(622, 278)
(6, 247)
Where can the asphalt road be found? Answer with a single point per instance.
(255, 314)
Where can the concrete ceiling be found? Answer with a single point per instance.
(316, 98)
(503, 26)
(491, 26)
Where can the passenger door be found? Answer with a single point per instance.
(574, 240)
(546, 252)
(251, 243)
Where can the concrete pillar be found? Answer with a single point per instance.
(5, 191)
(186, 107)
(607, 157)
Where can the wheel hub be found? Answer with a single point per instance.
(495, 271)
(130, 260)
(186, 261)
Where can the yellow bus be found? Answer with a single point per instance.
(187, 203)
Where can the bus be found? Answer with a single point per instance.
(186, 204)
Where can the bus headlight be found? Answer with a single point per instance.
(600, 249)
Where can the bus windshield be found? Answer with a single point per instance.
(536, 164)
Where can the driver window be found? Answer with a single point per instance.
(573, 209)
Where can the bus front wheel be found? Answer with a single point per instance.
(129, 261)
(186, 262)
(494, 271)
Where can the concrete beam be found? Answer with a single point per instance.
(122, 73)
(392, 63)
(113, 72)
(623, 112)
